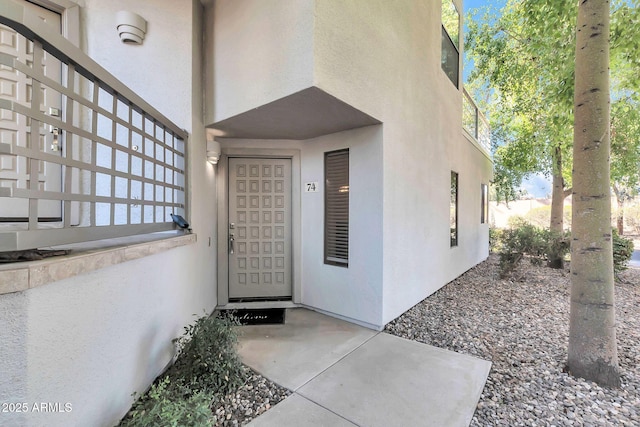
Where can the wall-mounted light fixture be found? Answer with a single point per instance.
(131, 27)
(213, 148)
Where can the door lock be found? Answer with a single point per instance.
(55, 145)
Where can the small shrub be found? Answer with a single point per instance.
(166, 404)
(524, 238)
(495, 239)
(207, 366)
(207, 359)
(516, 221)
(622, 252)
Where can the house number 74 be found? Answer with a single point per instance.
(311, 187)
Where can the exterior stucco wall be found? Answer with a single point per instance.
(13, 353)
(384, 58)
(354, 292)
(258, 51)
(93, 339)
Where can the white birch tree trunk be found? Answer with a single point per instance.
(592, 335)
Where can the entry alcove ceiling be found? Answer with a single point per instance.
(305, 114)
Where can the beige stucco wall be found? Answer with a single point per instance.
(94, 339)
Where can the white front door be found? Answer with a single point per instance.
(259, 228)
(15, 129)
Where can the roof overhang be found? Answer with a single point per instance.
(307, 114)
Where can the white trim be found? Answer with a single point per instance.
(70, 12)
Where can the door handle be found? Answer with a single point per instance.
(55, 145)
(231, 240)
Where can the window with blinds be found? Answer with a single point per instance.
(336, 208)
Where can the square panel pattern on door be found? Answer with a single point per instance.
(16, 129)
(260, 211)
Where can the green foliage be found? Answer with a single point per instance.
(168, 405)
(622, 251)
(625, 147)
(524, 238)
(495, 239)
(516, 221)
(523, 78)
(523, 67)
(208, 360)
(207, 366)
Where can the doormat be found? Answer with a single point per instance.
(259, 316)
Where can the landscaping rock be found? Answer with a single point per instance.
(256, 396)
(521, 324)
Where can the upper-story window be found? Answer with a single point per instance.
(450, 41)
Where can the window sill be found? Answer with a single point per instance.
(87, 257)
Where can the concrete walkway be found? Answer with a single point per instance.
(345, 375)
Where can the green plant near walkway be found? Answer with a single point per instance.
(622, 251)
(207, 366)
(524, 238)
(167, 404)
(208, 359)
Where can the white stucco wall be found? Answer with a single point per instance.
(353, 292)
(93, 339)
(263, 51)
(384, 58)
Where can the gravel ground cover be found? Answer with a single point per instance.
(521, 324)
(256, 396)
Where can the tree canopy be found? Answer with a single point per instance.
(523, 77)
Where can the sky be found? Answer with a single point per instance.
(470, 4)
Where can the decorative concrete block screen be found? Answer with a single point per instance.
(82, 157)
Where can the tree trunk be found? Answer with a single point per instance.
(592, 335)
(620, 213)
(557, 206)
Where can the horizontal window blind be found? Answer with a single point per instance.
(336, 202)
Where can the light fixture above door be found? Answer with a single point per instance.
(213, 150)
